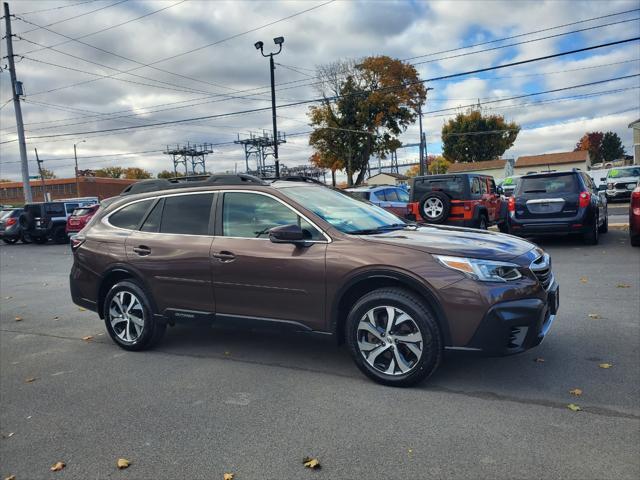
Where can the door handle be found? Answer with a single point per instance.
(224, 256)
(142, 250)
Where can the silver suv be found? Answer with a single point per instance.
(622, 181)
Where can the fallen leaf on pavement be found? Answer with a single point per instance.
(56, 317)
(573, 407)
(82, 309)
(576, 391)
(18, 319)
(605, 365)
(8, 298)
(123, 463)
(10, 477)
(595, 316)
(227, 476)
(311, 462)
(8, 435)
(227, 353)
(538, 360)
(58, 466)
(88, 338)
(583, 280)
(30, 380)
(623, 285)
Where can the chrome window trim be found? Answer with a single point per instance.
(327, 237)
(105, 220)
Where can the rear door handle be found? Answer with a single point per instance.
(224, 256)
(142, 250)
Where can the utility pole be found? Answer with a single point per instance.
(259, 46)
(423, 143)
(44, 189)
(26, 186)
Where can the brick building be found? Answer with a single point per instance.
(11, 192)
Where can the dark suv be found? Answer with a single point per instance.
(558, 203)
(300, 255)
(42, 221)
(461, 199)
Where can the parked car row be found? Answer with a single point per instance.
(40, 222)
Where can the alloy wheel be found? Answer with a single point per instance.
(126, 316)
(433, 207)
(389, 340)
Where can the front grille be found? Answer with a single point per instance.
(623, 185)
(541, 267)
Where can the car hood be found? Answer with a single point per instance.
(456, 241)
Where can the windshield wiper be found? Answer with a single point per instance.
(535, 191)
(381, 229)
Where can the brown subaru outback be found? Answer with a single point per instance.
(296, 254)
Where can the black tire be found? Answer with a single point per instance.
(635, 240)
(25, 238)
(604, 228)
(10, 240)
(504, 227)
(40, 240)
(59, 235)
(592, 236)
(424, 322)
(26, 221)
(443, 204)
(151, 332)
(483, 223)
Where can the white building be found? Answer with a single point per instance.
(495, 168)
(387, 179)
(550, 162)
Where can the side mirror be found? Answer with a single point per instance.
(286, 234)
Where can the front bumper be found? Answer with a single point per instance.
(517, 325)
(618, 193)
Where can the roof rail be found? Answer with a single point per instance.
(155, 185)
(295, 178)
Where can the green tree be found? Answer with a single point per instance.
(473, 137)
(611, 148)
(109, 172)
(438, 165)
(136, 173)
(377, 100)
(47, 173)
(169, 174)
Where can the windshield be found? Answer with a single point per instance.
(624, 172)
(347, 214)
(364, 195)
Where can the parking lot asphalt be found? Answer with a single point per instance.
(210, 400)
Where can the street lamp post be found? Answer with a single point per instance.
(75, 154)
(259, 46)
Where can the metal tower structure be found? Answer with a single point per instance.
(191, 157)
(257, 149)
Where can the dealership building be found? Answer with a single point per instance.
(11, 192)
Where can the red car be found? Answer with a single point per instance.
(634, 217)
(79, 219)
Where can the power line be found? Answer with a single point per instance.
(56, 8)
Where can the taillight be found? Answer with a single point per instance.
(635, 199)
(512, 204)
(11, 221)
(585, 199)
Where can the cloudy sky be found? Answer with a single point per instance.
(90, 66)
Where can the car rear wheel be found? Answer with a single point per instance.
(25, 238)
(393, 337)
(482, 222)
(10, 240)
(435, 207)
(128, 317)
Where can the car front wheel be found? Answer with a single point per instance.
(128, 317)
(393, 337)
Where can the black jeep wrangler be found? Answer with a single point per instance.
(42, 221)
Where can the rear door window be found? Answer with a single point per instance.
(556, 184)
(129, 217)
(187, 214)
(390, 195)
(475, 186)
(152, 222)
(402, 195)
(483, 185)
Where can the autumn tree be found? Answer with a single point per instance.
(136, 173)
(413, 171)
(5, 180)
(45, 173)
(109, 172)
(365, 107)
(438, 165)
(591, 142)
(327, 161)
(169, 174)
(611, 147)
(474, 137)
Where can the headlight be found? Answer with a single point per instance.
(482, 270)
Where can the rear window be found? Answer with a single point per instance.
(567, 183)
(130, 216)
(54, 209)
(78, 212)
(452, 186)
